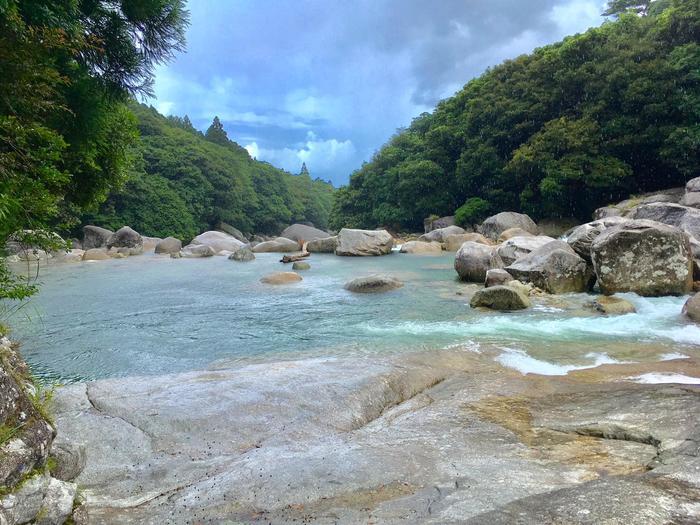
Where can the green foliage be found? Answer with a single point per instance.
(571, 127)
(474, 211)
(183, 182)
(66, 136)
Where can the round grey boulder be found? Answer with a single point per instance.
(517, 247)
(581, 237)
(359, 243)
(503, 298)
(193, 251)
(497, 224)
(472, 261)
(302, 232)
(95, 237)
(497, 277)
(644, 257)
(169, 245)
(373, 284)
(441, 234)
(244, 254)
(277, 245)
(125, 237)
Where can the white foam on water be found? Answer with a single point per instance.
(655, 378)
(656, 319)
(526, 364)
(673, 355)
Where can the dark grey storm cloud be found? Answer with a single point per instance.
(328, 82)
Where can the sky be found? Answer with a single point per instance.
(328, 82)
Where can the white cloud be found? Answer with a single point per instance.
(319, 155)
(577, 16)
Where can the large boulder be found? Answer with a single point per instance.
(281, 278)
(95, 254)
(277, 245)
(150, 243)
(502, 298)
(422, 248)
(126, 237)
(581, 237)
(302, 232)
(169, 245)
(683, 217)
(441, 234)
(497, 224)
(373, 284)
(95, 237)
(233, 231)
(217, 241)
(554, 268)
(473, 260)
(645, 257)
(454, 242)
(516, 247)
(691, 308)
(431, 223)
(364, 242)
(194, 251)
(325, 245)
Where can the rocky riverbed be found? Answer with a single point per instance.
(433, 437)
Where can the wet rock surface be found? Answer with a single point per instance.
(437, 437)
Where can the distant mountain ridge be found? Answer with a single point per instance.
(184, 182)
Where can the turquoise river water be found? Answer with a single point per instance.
(153, 315)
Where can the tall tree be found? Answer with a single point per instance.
(216, 133)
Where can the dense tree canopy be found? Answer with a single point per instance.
(184, 182)
(572, 126)
(67, 69)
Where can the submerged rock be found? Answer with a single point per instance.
(645, 257)
(299, 265)
(612, 305)
(373, 284)
(325, 245)
(281, 278)
(497, 224)
(277, 245)
(473, 260)
(502, 298)
(193, 251)
(554, 268)
(353, 242)
(691, 308)
(169, 245)
(242, 255)
(421, 248)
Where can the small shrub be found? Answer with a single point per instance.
(473, 211)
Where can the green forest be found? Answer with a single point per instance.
(571, 127)
(76, 147)
(183, 182)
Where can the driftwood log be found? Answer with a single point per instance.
(294, 258)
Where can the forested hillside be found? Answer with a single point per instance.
(556, 133)
(184, 182)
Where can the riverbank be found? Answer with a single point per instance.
(432, 437)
